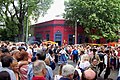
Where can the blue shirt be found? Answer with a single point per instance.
(49, 75)
(75, 52)
(30, 71)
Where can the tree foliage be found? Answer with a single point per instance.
(14, 13)
(100, 18)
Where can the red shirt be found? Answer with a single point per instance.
(118, 54)
(38, 78)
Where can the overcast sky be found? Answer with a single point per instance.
(57, 8)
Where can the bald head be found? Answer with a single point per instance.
(89, 75)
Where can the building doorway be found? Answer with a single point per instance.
(58, 38)
(71, 39)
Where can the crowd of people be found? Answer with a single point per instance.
(21, 61)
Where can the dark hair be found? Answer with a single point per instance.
(76, 75)
(107, 51)
(94, 50)
(4, 75)
(93, 59)
(20, 48)
(50, 52)
(4, 50)
(33, 59)
(41, 56)
(6, 61)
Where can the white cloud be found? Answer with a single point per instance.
(57, 8)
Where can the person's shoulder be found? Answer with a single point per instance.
(118, 78)
(57, 77)
(62, 78)
(10, 71)
(48, 67)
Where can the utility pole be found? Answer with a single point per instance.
(27, 25)
(76, 31)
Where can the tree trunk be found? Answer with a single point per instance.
(21, 32)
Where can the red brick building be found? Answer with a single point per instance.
(56, 30)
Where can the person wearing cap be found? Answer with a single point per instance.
(39, 70)
(67, 72)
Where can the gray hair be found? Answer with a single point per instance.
(67, 70)
(14, 51)
(38, 66)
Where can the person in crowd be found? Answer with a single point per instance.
(14, 67)
(95, 55)
(75, 55)
(63, 59)
(107, 64)
(23, 65)
(76, 75)
(101, 65)
(118, 57)
(5, 51)
(42, 56)
(30, 69)
(89, 74)
(94, 65)
(0, 57)
(67, 72)
(57, 77)
(12, 47)
(39, 70)
(84, 63)
(113, 60)
(4, 75)
(16, 55)
(6, 62)
(118, 78)
(50, 56)
(34, 49)
(29, 50)
(56, 55)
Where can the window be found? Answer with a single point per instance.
(38, 37)
(47, 37)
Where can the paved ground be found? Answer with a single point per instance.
(113, 74)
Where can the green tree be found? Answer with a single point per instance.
(14, 14)
(100, 18)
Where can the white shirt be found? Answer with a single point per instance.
(30, 51)
(84, 64)
(119, 73)
(57, 77)
(105, 59)
(62, 51)
(12, 74)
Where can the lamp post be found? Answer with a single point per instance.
(76, 31)
(27, 25)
